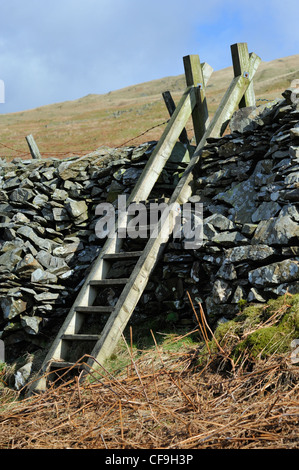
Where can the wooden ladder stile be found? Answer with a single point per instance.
(111, 250)
(191, 104)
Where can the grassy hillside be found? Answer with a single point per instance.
(82, 125)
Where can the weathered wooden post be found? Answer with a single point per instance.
(194, 77)
(232, 97)
(171, 109)
(34, 150)
(240, 58)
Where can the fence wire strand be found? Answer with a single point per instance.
(83, 152)
(62, 153)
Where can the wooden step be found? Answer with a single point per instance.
(78, 337)
(109, 282)
(66, 365)
(94, 309)
(123, 255)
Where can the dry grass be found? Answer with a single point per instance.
(164, 400)
(78, 127)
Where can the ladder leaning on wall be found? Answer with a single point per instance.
(192, 103)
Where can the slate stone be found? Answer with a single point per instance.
(22, 376)
(10, 258)
(220, 222)
(31, 324)
(77, 209)
(119, 174)
(265, 211)
(3, 196)
(227, 271)
(209, 231)
(249, 118)
(26, 266)
(11, 183)
(131, 176)
(275, 273)
(255, 296)
(221, 291)
(66, 274)
(46, 296)
(290, 287)
(21, 195)
(60, 195)
(73, 188)
(12, 307)
(28, 232)
(42, 277)
(227, 239)
(115, 189)
(292, 178)
(249, 253)
(248, 229)
(51, 263)
(60, 214)
(144, 150)
(238, 295)
(291, 94)
(48, 174)
(67, 249)
(294, 133)
(69, 170)
(242, 198)
(21, 218)
(279, 230)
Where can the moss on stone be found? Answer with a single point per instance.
(262, 330)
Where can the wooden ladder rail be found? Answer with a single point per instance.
(120, 314)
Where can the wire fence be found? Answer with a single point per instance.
(22, 153)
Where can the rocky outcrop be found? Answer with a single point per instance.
(248, 182)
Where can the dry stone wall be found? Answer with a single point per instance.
(248, 182)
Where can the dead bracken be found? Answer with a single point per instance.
(177, 395)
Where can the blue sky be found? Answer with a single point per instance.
(58, 50)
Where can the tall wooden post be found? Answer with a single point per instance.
(240, 58)
(194, 77)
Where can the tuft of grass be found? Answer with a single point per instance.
(257, 332)
(261, 331)
(166, 344)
